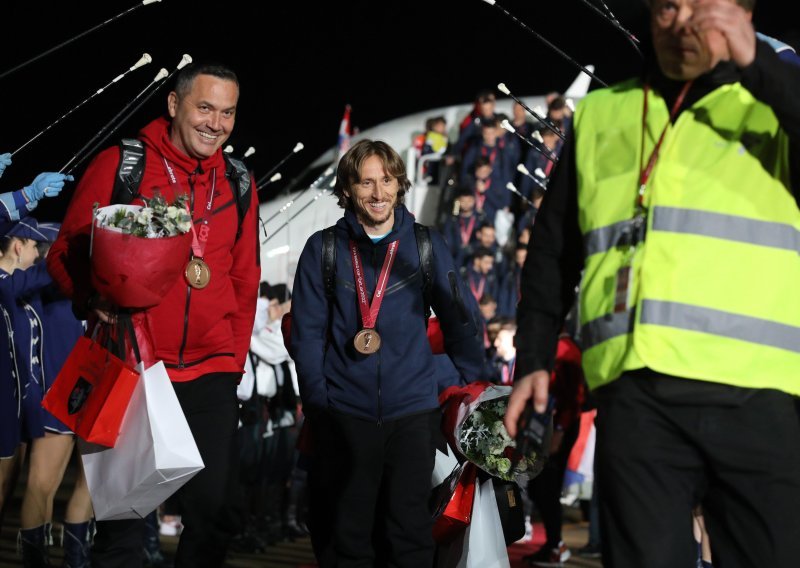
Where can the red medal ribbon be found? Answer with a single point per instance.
(480, 199)
(549, 165)
(508, 372)
(478, 293)
(466, 232)
(200, 240)
(492, 155)
(651, 163)
(369, 311)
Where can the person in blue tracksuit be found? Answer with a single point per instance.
(373, 412)
(20, 361)
(45, 331)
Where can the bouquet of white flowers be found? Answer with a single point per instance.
(479, 515)
(486, 443)
(474, 423)
(155, 220)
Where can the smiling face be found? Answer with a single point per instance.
(374, 197)
(203, 118)
(683, 53)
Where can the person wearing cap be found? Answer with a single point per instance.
(17, 253)
(677, 198)
(26, 362)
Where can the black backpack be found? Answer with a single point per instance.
(131, 169)
(424, 248)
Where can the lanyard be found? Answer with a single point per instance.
(478, 292)
(508, 372)
(466, 232)
(198, 241)
(492, 155)
(369, 311)
(480, 198)
(548, 167)
(645, 172)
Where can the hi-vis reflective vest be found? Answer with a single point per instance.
(713, 291)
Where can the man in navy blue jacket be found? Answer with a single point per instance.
(366, 372)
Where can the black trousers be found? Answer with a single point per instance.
(369, 487)
(661, 451)
(207, 501)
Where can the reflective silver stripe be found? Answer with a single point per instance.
(724, 324)
(606, 327)
(604, 238)
(729, 227)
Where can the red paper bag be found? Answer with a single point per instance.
(458, 512)
(91, 393)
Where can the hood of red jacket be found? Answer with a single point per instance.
(156, 136)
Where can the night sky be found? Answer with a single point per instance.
(299, 63)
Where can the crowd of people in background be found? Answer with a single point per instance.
(478, 164)
(256, 482)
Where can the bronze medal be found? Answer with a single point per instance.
(197, 273)
(367, 341)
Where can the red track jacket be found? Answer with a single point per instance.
(194, 331)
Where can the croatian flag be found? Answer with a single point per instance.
(344, 132)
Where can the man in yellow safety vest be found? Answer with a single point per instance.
(674, 206)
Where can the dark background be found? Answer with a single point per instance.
(299, 63)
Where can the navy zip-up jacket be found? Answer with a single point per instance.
(400, 379)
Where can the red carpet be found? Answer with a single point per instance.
(519, 549)
(515, 552)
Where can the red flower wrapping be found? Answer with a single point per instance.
(135, 272)
(451, 400)
(458, 512)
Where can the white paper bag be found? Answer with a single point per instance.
(443, 466)
(482, 544)
(154, 456)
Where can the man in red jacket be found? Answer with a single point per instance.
(201, 329)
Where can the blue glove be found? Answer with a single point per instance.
(5, 161)
(47, 184)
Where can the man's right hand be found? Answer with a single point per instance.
(532, 387)
(103, 309)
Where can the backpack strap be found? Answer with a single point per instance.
(425, 251)
(329, 261)
(129, 171)
(239, 178)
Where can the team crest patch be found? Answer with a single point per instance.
(80, 392)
